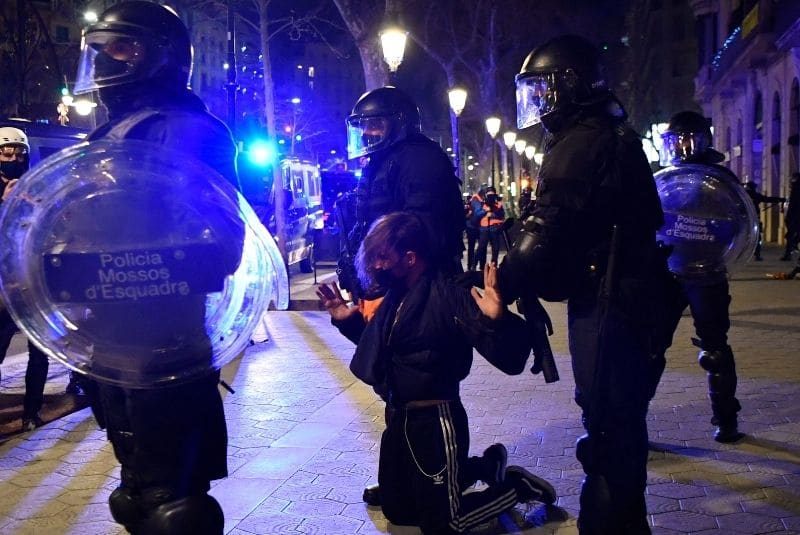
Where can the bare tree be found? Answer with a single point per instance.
(364, 19)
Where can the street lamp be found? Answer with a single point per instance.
(393, 43)
(458, 99)
(509, 138)
(530, 154)
(519, 148)
(493, 127)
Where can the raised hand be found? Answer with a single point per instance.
(491, 302)
(330, 297)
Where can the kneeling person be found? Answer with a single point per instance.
(414, 352)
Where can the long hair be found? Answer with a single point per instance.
(400, 232)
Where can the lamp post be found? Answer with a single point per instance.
(530, 154)
(519, 148)
(393, 43)
(509, 138)
(230, 84)
(492, 127)
(458, 99)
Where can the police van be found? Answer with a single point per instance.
(46, 139)
(302, 210)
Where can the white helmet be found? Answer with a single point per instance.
(13, 136)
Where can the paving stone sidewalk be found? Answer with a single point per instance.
(304, 436)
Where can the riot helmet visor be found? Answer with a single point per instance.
(366, 135)
(111, 58)
(537, 95)
(678, 147)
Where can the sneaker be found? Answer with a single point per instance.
(372, 495)
(728, 433)
(29, 423)
(530, 487)
(494, 458)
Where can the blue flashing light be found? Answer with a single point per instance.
(262, 153)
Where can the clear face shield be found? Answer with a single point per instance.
(366, 135)
(108, 59)
(536, 96)
(679, 147)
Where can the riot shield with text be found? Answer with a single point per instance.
(135, 265)
(709, 220)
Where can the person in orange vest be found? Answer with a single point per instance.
(490, 224)
(474, 213)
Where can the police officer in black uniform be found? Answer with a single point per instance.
(687, 140)
(171, 441)
(406, 172)
(752, 190)
(590, 240)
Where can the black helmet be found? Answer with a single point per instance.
(380, 118)
(135, 41)
(562, 73)
(687, 139)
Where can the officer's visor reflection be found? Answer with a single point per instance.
(120, 48)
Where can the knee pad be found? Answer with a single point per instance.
(716, 361)
(124, 507)
(193, 515)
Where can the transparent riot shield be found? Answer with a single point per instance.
(709, 219)
(135, 265)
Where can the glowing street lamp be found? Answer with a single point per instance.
(84, 107)
(458, 99)
(492, 127)
(530, 150)
(393, 43)
(519, 148)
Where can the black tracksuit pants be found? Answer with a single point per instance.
(423, 472)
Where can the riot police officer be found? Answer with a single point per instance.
(590, 240)
(752, 190)
(688, 144)
(408, 172)
(171, 441)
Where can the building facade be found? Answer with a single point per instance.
(748, 82)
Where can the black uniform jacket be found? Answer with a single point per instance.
(418, 346)
(594, 176)
(415, 176)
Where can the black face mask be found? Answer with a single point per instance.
(13, 169)
(384, 279)
(491, 198)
